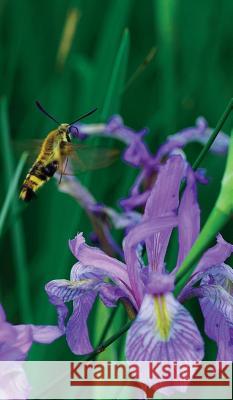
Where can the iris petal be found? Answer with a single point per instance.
(77, 331)
(163, 202)
(163, 330)
(189, 218)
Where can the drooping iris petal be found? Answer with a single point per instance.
(137, 154)
(216, 300)
(94, 257)
(12, 345)
(135, 236)
(77, 331)
(189, 218)
(83, 296)
(216, 255)
(16, 340)
(110, 294)
(86, 282)
(163, 330)
(163, 202)
(135, 200)
(45, 333)
(200, 133)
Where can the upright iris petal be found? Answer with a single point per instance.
(163, 202)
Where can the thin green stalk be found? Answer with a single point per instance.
(215, 132)
(11, 191)
(109, 341)
(116, 83)
(107, 326)
(18, 244)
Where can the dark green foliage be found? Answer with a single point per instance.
(191, 75)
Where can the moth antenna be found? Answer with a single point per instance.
(84, 116)
(39, 106)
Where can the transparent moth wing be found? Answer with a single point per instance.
(87, 158)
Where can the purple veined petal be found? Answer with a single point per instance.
(110, 294)
(18, 343)
(216, 275)
(7, 332)
(114, 128)
(199, 133)
(69, 290)
(94, 257)
(217, 307)
(45, 333)
(216, 255)
(137, 154)
(135, 190)
(189, 219)
(159, 284)
(221, 143)
(163, 330)
(139, 234)
(221, 275)
(135, 201)
(77, 331)
(123, 220)
(62, 310)
(8, 344)
(225, 340)
(86, 272)
(163, 201)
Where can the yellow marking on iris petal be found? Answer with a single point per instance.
(163, 322)
(80, 283)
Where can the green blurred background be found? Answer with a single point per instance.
(190, 75)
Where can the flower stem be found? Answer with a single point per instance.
(109, 341)
(106, 329)
(215, 132)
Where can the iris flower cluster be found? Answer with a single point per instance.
(135, 271)
(163, 329)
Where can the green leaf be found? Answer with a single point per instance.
(113, 95)
(19, 252)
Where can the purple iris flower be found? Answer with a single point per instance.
(138, 155)
(16, 340)
(163, 328)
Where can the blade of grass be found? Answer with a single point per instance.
(9, 199)
(113, 95)
(164, 24)
(19, 252)
(107, 48)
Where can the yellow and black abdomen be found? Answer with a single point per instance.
(36, 177)
(45, 166)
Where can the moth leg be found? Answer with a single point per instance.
(63, 170)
